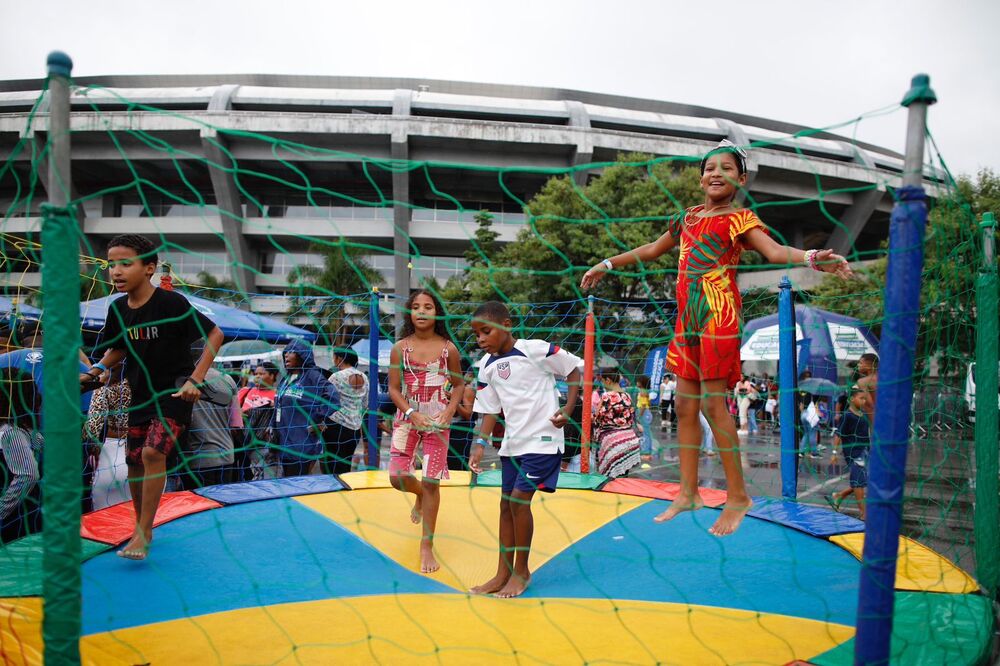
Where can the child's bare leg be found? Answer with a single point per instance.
(431, 501)
(409, 484)
(727, 439)
(859, 497)
(154, 471)
(687, 402)
(505, 565)
(524, 530)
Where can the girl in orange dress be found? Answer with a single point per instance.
(705, 351)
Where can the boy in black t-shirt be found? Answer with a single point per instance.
(152, 329)
(853, 436)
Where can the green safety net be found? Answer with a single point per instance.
(528, 236)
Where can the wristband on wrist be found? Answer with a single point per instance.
(607, 264)
(481, 442)
(811, 259)
(408, 412)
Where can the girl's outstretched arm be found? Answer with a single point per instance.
(644, 253)
(820, 260)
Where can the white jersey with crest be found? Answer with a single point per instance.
(522, 384)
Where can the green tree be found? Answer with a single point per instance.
(213, 288)
(952, 256)
(476, 283)
(325, 293)
(571, 228)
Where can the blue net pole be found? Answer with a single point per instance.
(373, 393)
(893, 406)
(786, 388)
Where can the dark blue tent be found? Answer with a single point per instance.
(235, 323)
(822, 338)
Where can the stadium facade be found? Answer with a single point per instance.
(335, 156)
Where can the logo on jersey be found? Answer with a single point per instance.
(503, 369)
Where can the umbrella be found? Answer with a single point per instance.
(363, 347)
(819, 386)
(29, 361)
(822, 338)
(252, 351)
(234, 322)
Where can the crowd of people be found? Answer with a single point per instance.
(187, 424)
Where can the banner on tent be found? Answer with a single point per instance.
(762, 345)
(848, 343)
(655, 363)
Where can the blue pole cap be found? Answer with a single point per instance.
(59, 64)
(920, 91)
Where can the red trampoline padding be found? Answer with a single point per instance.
(115, 524)
(660, 490)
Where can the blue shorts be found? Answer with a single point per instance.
(857, 466)
(530, 472)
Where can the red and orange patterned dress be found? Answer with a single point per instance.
(706, 342)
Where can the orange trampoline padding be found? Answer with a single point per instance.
(660, 490)
(115, 524)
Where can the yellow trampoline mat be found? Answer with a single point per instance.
(21, 630)
(458, 629)
(918, 568)
(466, 538)
(380, 479)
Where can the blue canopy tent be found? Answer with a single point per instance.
(29, 361)
(363, 349)
(235, 323)
(9, 308)
(822, 339)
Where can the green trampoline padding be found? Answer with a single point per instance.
(930, 628)
(21, 564)
(569, 480)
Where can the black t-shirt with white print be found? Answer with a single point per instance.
(157, 339)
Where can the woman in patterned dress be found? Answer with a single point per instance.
(614, 429)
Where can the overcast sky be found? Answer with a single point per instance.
(811, 63)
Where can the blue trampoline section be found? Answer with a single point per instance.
(762, 567)
(814, 520)
(253, 491)
(241, 556)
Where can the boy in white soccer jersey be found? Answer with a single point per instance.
(518, 378)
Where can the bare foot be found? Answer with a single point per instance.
(678, 505)
(136, 549)
(428, 563)
(515, 587)
(416, 513)
(494, 584)
(732, 516)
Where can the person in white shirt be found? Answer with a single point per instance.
(518, 378)
(667, 389)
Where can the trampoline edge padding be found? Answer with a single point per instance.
(254, 491)
(114, 524)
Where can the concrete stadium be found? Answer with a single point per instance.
(351, 135)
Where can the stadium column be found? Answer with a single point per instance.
(400, 151)
(862, 206)
(736, 134)
(61, 415)
(893, 404)
(87, 248)
(222, 166)
(584, 154)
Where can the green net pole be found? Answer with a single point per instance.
(62, 420)
(987, 518)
